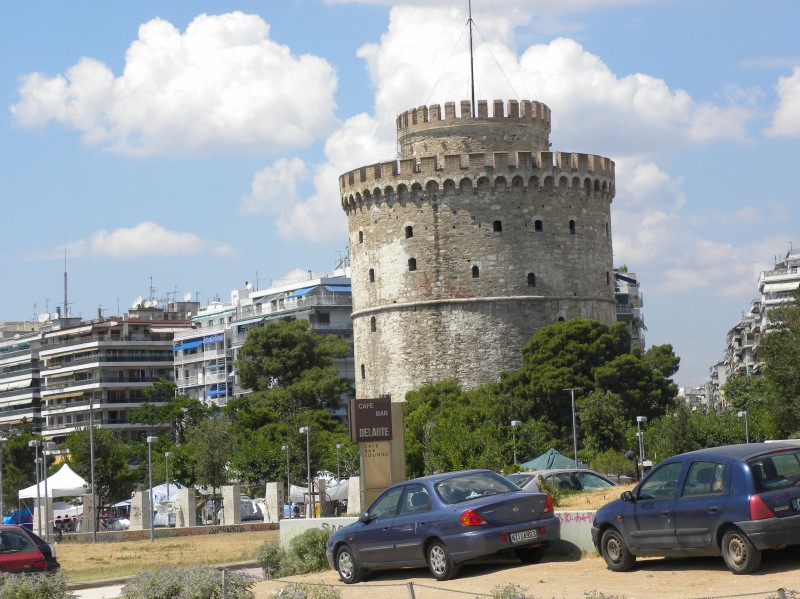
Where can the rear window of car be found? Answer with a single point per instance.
(14, 540)
(471, 486)
(775, 471)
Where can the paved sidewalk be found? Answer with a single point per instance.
(108, 592)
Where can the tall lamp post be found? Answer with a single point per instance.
(288, 482)
(150, 441)
(639, 421)
(307, 431)
(167, 456)
(91, 469)
(46, 449)
(572, 391)
(514, 425)
(338, 469)
(35, 443)
(2, 449)
(743, 414)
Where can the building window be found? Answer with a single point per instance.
(412, 264)
(363, 372)
(373, 325)
(531, 280)
(475, 272)
(572, 227)
(497, 226)
(361, 237)
(371, 275)
(409, 232)
(537, 226)
(608, 278)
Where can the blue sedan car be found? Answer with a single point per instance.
(733, 501)
(443, 521)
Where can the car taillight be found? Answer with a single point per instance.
(39, 565)
(759, 509)
(548, 505)
(472, 518)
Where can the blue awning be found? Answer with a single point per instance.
(626, 279)
(214, 338)
(300, 292)
(339, 288)
(216, 392)
(189, 345)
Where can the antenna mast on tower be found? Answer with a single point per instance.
(471, 62)
(66, 305)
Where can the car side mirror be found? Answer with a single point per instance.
(365, 517)
(628, 496)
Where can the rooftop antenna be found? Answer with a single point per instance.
(152, 289)
(471, 62)
(66, 305)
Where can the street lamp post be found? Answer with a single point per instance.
(639, 421)
(150, 441)
(514, 425)
(167, 456)
(338, 469)
(288, 481)
(91, 470)
(2, 449)
(307, 431)
(46, 449)
(743, 414)
(35, 443)
(572, 391)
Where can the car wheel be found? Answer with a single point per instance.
(440, 563)
(741, 556)
(532, 555)
(347, 566)
(615, 551)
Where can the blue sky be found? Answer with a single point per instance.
(197, 145)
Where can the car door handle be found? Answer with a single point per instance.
(713, 508)
(665, 512)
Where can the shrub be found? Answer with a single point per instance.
(37, 586)
(601, 595)
(306, 553)
(187, 582)
(303, 590)
(510, 591)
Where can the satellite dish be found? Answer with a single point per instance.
(137, 302)
(247, 285)
(146, 303)
(188, 314)
(43, 317)
(187, 296)
(54, 316)
(16, 336)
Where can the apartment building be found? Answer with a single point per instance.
(629, 305)
(777, 285)
(205, 356)
(19, 380)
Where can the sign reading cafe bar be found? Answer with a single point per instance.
(370, 419)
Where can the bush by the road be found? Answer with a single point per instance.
(35, 586)
(306, 553)
(187, 582)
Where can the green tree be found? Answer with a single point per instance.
(602, 419)
(18, 469)
(290, 370)
(163, 406)
(211, 445)
(780, 353)
(113, 478)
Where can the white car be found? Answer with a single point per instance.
(563, 479)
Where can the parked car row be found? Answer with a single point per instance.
(24, 551)
(734, 501)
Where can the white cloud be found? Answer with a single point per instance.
(144, 239)
(221, 85)
(786, 120)
(274, 187)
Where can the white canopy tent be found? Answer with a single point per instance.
(64, 483)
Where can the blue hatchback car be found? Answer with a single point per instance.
(733, 501)
(443, 521)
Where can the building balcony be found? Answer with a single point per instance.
(104, 341)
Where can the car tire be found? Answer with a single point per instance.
(615, 551)
(440, 562)
(530, 555)
(740, 555)
(347, 565)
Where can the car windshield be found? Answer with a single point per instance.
(473, 485)
(773, 471)
(520, 479)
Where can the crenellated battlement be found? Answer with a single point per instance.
(508, 164)
(425, 117)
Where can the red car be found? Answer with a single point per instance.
(23, 551)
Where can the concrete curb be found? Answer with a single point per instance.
(108, 582)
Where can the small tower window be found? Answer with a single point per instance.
(361, 237)
(560, 319)
(572, 227)
(412, 264)
(373, 325)
(531, 280)
(476, 272)
(371, 275)
(537, 226)
(409, 232)
(608, 278)
(497, 226)
(363, 372)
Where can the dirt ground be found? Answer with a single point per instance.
(653, 578)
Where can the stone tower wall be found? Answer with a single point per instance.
(459, 258)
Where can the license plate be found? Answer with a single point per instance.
(521, 537)
(795, 505)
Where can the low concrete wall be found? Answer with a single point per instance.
(576, 529)
(163, 533)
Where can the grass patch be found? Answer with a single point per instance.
(84, 562)
(591, 500)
